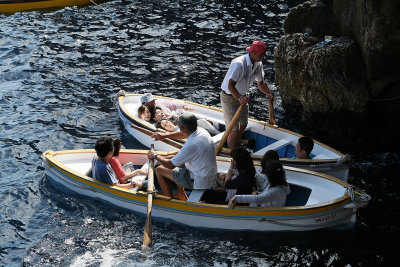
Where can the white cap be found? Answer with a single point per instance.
(146, 98)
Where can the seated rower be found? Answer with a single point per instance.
(194, 166)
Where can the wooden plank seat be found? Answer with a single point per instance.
(217, 138)
(321, 156)
(274, 146)
(81, 167)
(196, 195)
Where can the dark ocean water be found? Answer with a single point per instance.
(59, 70)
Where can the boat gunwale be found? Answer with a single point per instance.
(128, 115)
(164, 202)
(10, 7)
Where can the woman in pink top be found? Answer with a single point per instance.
(117, 167)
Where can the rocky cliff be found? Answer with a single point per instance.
(357, 69)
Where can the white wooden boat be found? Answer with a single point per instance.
(316, 200)
(11, 6)
(268, 137)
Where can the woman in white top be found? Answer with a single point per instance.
(274, 195)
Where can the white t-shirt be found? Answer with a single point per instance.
(243, 73)
(270, 197)
(198, 155)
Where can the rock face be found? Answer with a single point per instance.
(359, 66)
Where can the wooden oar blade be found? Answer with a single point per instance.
(148, 231)
(148, 228)
(150, 133)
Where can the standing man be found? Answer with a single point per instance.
(195, 165)
(235, 87)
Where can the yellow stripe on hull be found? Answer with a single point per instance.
(196, 208)
(16, 7)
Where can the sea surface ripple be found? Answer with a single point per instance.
(59, 70)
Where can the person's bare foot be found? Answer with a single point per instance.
(182, 197)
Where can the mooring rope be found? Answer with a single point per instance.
(358, 196)
(98, 5)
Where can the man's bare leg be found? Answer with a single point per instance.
(164, 177)
(181, 194)
(235, 137)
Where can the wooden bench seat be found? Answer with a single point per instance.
(196, 195)
(274, 146)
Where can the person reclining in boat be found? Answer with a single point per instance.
(101, 169)
(144, 113)
(274, 195)
(304, 147)
(119, 171)
(169, 125)
(158, 115)
(238, 180)
(194, 166)
(167, 105)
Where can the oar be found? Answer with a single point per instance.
(149, 133)
(271, 112)
(147, 238)
(229, 129)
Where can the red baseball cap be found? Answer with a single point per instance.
(258, 46)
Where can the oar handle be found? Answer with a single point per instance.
(150, 182)
(150, 133)
(229, 129)
(148, 232)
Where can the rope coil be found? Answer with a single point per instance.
(114, 98)
(358, 196)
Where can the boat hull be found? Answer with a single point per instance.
(11, 6)
(310, 217)
(327, 160)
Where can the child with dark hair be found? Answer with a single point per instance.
(144, 113)
(269, 155)
(304, 147)
(101, 169)
(274, 195)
